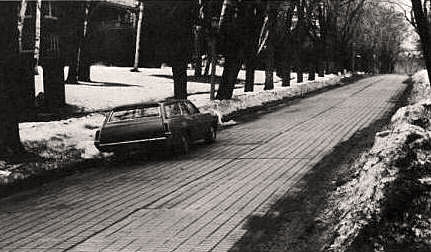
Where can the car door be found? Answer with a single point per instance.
(174, 118)
(149, 121)
(196, 121)
(121, 126)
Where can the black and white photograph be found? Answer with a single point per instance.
(215, 125)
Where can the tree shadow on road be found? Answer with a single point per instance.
(103, 84)
(293, 223)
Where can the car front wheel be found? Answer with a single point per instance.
(211, 135)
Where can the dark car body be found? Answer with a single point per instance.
(135, 126)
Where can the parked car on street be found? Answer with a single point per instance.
(174, 124)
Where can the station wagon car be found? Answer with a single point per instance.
(175, 124)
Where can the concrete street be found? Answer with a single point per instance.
(197, 202)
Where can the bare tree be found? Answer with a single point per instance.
(422, 22)
(239, 29)
(79, 65)
(10, 76)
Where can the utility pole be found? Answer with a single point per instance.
(37, 36)
(84, 34)
(197, 30)
(138, 37)
(21, 19)
(213, 56)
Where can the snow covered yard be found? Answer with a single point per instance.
(61, 142)
(114, 86)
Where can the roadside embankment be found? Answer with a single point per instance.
(386, 204)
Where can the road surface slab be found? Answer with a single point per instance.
(197, 202)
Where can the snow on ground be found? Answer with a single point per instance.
(113, 86)
(72, 139)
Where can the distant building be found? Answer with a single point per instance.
(110, 40)
(111, 32)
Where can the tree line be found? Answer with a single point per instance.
(305, 36)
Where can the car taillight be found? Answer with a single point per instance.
(97, 136)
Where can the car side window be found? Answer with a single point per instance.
(185, 109)
(148, 112)
(122, 115)
(172, 110)
(192, 109)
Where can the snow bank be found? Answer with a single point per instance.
(421, 87)
(361, 199)
(77, 133)
(245, 101)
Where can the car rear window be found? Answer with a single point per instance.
(131, 114)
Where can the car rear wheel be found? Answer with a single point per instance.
(181, 145)
(211, 135)
(184, 144)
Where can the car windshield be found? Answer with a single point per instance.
(135, 113)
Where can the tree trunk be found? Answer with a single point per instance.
(230, 73)
(37, 35)
(423, 28)
(179, 72)
(84, 69)
(313, 67)
(285, 74)
(11, 72)
(320, 65)
(312, 74)
(53, 82)
(72, 75)
(197, 51)
(138, 38)
(269, 69)
(321, 69)
(249, 76)
(207, 65)
(427, 57)
(332, 50)
(299, 73)
(79, 67)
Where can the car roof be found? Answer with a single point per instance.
(135, 105)
(146, 104)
